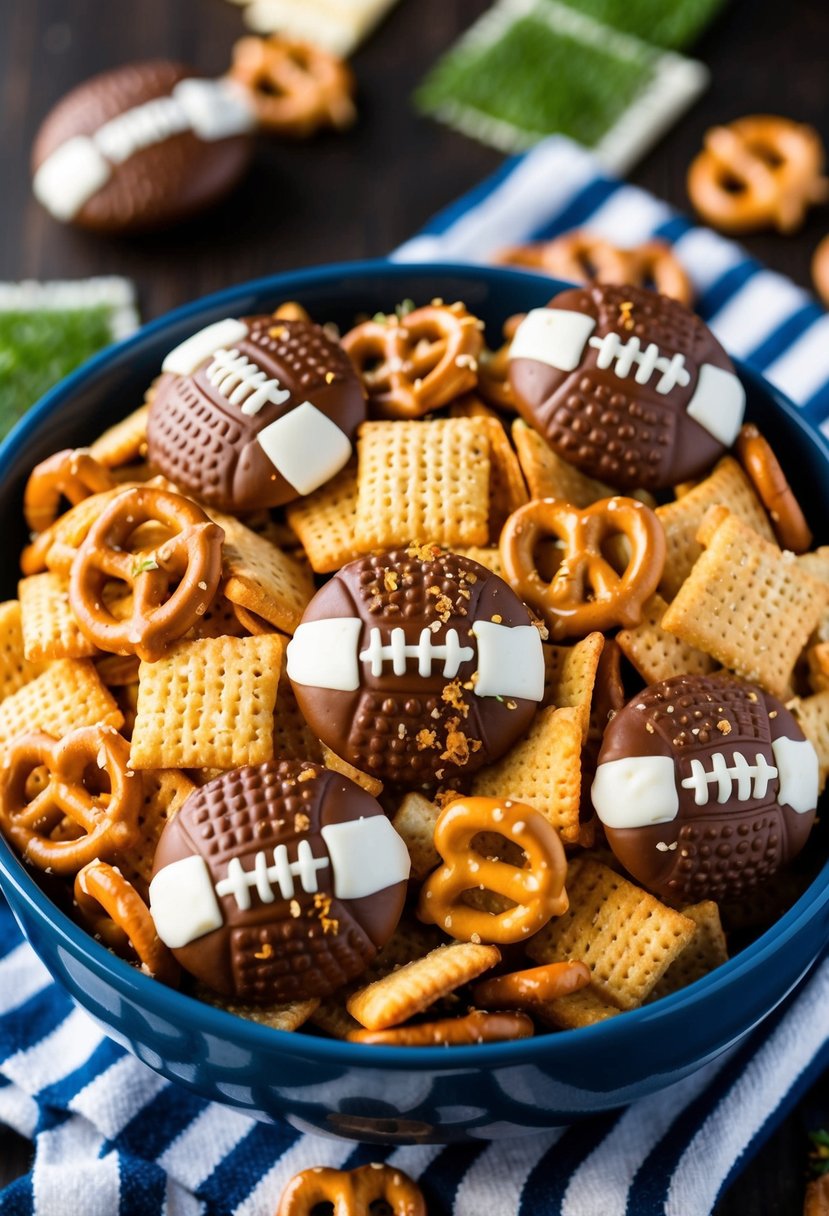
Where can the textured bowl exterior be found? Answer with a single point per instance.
(383, 1094)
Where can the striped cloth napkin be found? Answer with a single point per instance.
(111, 1138)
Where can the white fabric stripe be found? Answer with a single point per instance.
(18, 1110)
(195, 1153)
(302, 1155)
(415, 1158)
(629, 216)
(804, 367)
(492, 1186)
(762, 304)
(707, 256)
(22, 975)
(70, 1177)
(179, 1202)
(117, 1094)
(68, 1047)
(731, 1126)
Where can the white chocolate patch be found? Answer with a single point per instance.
(510, 661)
(306, 447)
(183, 904)
(556, 336)
(189, 355)
(367, 856)
(798, 771)
(635, 792)
(718, 403)
(215, 109)
(69, 177)
(739, 781)
(426, 650)
(323, 654)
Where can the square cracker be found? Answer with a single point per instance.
(726, 486)
(415, 821)
(583, 1008)
(705, 951)
(746, 603)
(208, 704)
(124, 442)
(50, 630)
(543, 770)
(812, 714)
(655, 653)
(548, 476)
(165, 792)
(625, 936)
(67, 694)
(325, 522)
(15, 669)
(486, 556)
(507, 488)
(570, 674)
(423, 482)
(261, 578)
(293, 738)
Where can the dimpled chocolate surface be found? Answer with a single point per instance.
(413, 729)
(288, 949)
(718, 849)
(610, 426)
(160, 184)
(207, 445)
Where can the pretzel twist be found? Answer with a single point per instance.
(476, 1027)
(820, 270)
(758, 172)
(352, 1192)
(73, 474)
(523, 989)
(116, 913)
(35, 824)
(189, 562)
(296, 87)
(537, 890)
(586, 592)
(774, 491)
(493, 369)
(414, 365)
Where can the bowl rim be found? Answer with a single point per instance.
(208, 1019)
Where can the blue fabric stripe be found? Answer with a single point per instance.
(237, 1174)
(726, 286)
(24, 1027)
(547, 1183)
(157, 1124)
(673, 229)
(795, 325)
(18, 1198)
(143, 1187)
(63, 1091)
(582, 205)
(469, 201)
(442, 1177)
(816, 409)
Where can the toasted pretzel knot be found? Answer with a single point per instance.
(352, 1192)
(414, 365)
(521, 989)
(769, 480)
(295, 87)
(36, 825)
(116, 913)
(586, 591)
(537, 890)
(758, 172)
(172, 585)
(73, 474)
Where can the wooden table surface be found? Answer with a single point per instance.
(359, 195)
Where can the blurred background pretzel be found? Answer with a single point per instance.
(296, 87)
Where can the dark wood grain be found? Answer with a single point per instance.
(358, 195)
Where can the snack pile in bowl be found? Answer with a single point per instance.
(418, 693)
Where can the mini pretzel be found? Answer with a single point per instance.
(109, 822)
(190, 561)
(116, 913)
(774, 491)
(758, 172)
(73, 474)
(523, 988)
(586, 592)
(296, 87)
(475, 1027)
(352, 1192)
(493, 369)
(414, 365)
(537, 890)
(820, 270)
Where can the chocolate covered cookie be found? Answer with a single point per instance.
(627, 385)
(705, 786)
(142, 146)
(278, 882)
(254, 412)
(417, 665)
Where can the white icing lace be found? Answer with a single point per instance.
(141, 127)
(244, 384)
(425, 651)
(280, 876)
(751, 780)
(622, 356)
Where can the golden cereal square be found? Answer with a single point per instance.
(570, 674)
(208, 704)
(812, 714)
(15, 669)
(655, 653)
(706, 950)
(423, 482)
(68, 693)
(507, 489)
(484, 555)
(582, 1008)
(124, 442)
(50, 630)
(548, 476)
(165, 792)
(326, 520)
(415, 821)
(261, 578)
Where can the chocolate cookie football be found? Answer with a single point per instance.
(278, 882)
(143, 146)
(417, 665)
(705, 786)
(627, 385)
(255, 412)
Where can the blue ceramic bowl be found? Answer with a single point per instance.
(380, 1093)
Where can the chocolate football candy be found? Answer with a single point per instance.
(705, 786)
(140, 147)
(627, 385)
(417, 665)
(278, 882)
(255, 412)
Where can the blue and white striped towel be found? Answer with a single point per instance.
(113, 1139)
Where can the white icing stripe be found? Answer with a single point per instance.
(185, 358)
(799, 772)
(323, 654)
(306, 447)
(244, 384)
(718, 403)
(510, 661)
(367, 856)
(741, 780)
(152, 123)
(183, 903)
(623, 356)
(635, 791)
(555, 336)
(426, 650)
(267, 879)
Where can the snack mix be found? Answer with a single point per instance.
(413, 692)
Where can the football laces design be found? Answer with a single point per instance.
(267, 879)
(741, 779)
(397, 651)
(241, 382)
(623, 356)
(151, 123)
